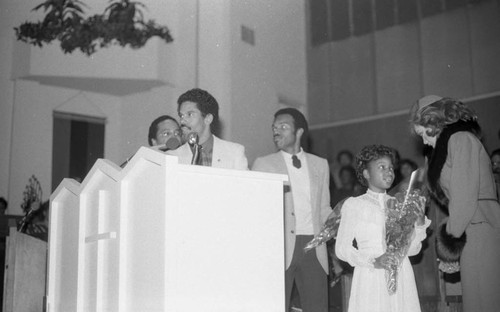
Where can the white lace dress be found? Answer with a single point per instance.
(363, 220)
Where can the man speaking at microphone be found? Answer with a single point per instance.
(199, 116)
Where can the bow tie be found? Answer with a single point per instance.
(296, 162)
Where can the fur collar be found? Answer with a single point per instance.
(439, 155)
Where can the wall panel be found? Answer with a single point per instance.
(445, 54)
(397, 67)
(319, 84)
(352, 80)
(485, 46)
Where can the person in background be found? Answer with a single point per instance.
(495, 166)
(363, 220)
(199, 115)
(344, 158)
(3, 205)
(162, 129)
(307, 206)
(349, 185)
(406, 167)
(460, 179)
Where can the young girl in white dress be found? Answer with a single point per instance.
(361, 239)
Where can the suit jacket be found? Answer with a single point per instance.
(320, 199)
(225, 154)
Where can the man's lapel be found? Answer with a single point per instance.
(217, 152)
(183, 153)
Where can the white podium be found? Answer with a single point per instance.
(159, 236)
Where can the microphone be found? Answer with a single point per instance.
(171, 144)
(192, 139)
(23, 224)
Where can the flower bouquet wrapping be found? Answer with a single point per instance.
(329, 229)
(402, 212)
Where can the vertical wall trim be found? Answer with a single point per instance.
(471, 52)
(11, 140)
(197, 46)
(373, 47)
(395, 7)
(419, 47)
(329, 97)
(351, 18)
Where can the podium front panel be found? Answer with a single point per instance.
(159, 236)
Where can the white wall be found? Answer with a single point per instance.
(9, 18)
(272, 70)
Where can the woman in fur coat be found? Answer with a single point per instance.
(460, 179)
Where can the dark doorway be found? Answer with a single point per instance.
(78, 141)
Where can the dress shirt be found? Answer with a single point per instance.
(205, 152)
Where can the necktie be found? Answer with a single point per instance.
(199, 159)
(295, 161)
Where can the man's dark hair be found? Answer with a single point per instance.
(205, 102)
(153, 128)
(299, 122)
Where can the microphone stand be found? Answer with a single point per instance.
(26, 220)
(196, 154)
(193, 141)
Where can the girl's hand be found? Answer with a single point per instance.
(385, 261)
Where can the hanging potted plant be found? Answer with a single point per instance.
(122, 23)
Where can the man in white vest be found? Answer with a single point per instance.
(307, 206)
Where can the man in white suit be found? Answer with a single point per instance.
(307, 206)
(199, 113)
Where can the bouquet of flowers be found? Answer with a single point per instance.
(402, 212)
(329, 229)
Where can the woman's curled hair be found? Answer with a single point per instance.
(439, 114)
